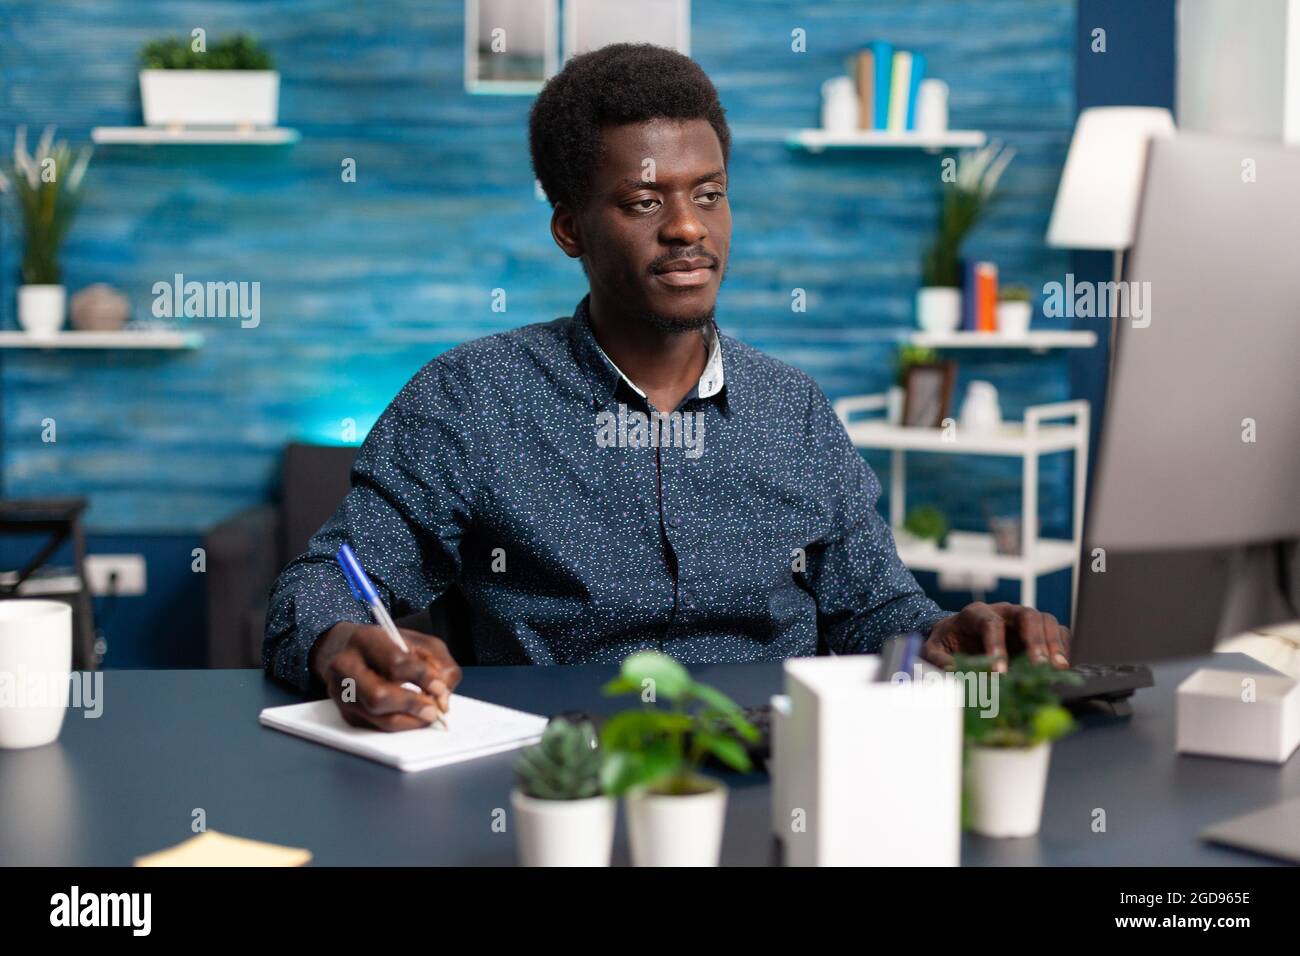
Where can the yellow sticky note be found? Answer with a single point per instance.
(218, 849)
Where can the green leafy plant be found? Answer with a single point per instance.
(927, 522)
(961, 206)
(1027, 711)
(661, 748)
(1015, 293)
(238, 52)
(47, 188)
(565, 765)
(908, 355)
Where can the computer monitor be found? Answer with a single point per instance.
(1200, 445)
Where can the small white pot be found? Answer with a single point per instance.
(1013, 319)
(243, 98)
(41, 308)
(938, 309)
(677, 831)
(563, 832)
(1006, 786)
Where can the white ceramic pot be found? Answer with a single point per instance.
(41, 308)
(563, 832)
(677, 831)
(1013, 319)
(938, 309)
(36, 662)
(1006, 786)
(981, 411)
(210, 97)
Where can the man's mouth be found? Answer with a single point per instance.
(685, 273)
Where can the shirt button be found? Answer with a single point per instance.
(688, 599)
(674, 522)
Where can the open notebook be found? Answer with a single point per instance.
(477, 730)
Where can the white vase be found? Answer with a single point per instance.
(677, 830)
(938, 309)
(41, 308)
(563, 832)
(241, 98)
(1013, 319)
(981, 411)
(839, 105)
(1006, 786)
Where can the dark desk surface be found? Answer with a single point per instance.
(169, 742)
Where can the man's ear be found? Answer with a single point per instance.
(566, 231)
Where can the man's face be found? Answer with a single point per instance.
(657, 229)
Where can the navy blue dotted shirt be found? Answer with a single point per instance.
(517, 467)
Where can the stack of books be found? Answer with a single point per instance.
(887, 82)
(979, 300)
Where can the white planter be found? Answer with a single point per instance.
(1006, 786)
(938, 309)
(41, 308)
(563, 832)
(1014, 318)
(210, 97)
(677, 831)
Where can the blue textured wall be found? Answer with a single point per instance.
(363, 282)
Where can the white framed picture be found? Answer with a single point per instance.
(592, 24)
(511, 46)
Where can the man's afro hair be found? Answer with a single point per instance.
(616, 84)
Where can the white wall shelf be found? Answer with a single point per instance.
(164, 136)
(155, 339)
(817, 140)
(1028, 440)
(1035, 341)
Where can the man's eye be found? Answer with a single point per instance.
(714, 196)
(644, 205)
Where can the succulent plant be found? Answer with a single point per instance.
(564, 766)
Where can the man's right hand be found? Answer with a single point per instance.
(364, 672)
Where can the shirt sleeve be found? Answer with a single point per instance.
(864, 592)
(409, 505)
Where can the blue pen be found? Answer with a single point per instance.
(363, 590)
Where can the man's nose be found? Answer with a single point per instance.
(683, 225)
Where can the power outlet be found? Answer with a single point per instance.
(129, 568)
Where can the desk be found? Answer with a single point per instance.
(125, 784)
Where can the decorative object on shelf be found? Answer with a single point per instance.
(981, 411)
(839, 105)
(926, 527)
(927, 394)
(675, 815)
(1015, 311)
(932, 108)
(231, 85)
(980, 297)
(886, 83)
(47, 187)
(962, 203)
(1008, 752)
(100, 308)
(561, 816)
(905, 357)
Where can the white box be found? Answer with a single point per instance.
(238, 98)
(1239, 714)
(866, 773)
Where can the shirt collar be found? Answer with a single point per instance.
(606, 376)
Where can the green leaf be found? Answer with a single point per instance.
(670, 678)
(622, 771)
(1051, 723)
(620, 685)
(714, 698)
(726, 749)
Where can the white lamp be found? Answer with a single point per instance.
(1097, 201)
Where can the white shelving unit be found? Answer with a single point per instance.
(817, 140)
(164, 135)
(1036, 340)
(1028, 440)
(156, 339)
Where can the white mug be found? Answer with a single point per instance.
(35, 670)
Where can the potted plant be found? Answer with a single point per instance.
(926, 527)
(1014, 311)
(1008, 746)
(652, 756)
(904, 358)
(232, 84)
(561, 815)
(963, 202)
(47, 187)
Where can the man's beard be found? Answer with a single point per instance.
(691, 323)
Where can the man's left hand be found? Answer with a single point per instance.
(997, 631)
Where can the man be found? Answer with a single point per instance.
(623, 478)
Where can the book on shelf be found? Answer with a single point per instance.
(979, 301)
(887, 83)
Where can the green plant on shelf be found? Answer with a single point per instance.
(661, 749)
(238, 52)
(908, 355)
(1015, 293)
(564, 765)
(962, 204)
(47, 188)
(927, 523)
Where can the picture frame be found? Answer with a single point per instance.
(927, 394)
(529, 33)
